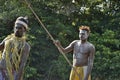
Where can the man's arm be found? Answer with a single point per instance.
(90, 62)
(2, 45)
(1, 49)
(23, 62)
(69, 48)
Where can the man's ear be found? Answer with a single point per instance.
(88, 34)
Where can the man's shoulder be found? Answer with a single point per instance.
(27, 46)
(74, 42)
(91, 45)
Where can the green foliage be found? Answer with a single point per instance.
(30, 72)
(107, 56)
(62, 19)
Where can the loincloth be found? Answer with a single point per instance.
(78, 74)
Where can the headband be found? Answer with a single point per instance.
(21, 22)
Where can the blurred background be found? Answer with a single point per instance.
(62, 18)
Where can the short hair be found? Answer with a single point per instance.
(87, 28)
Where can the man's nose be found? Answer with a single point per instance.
(81, 35)
(17, 29)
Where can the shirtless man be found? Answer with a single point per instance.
(83, 55)
(15, 51)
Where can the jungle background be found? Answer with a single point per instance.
(62, 18)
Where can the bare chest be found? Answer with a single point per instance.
(81, 50)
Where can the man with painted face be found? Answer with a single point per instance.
(15, 51)
(83, 55)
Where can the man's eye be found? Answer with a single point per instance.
(16, 27)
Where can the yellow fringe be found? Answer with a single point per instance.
(0, 55)
(13, 46)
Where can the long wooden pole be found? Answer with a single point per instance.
(52, 38)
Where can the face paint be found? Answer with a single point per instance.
(19, 30)
(83, 35)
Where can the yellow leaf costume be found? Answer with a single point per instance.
(12, 54)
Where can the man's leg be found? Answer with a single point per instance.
(85, 70)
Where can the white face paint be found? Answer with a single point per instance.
(83, 35)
